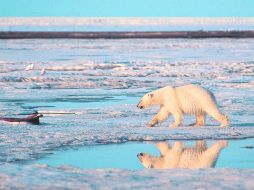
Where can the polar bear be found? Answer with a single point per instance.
(179, 157)
(189, 99)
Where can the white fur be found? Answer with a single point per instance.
(179, 157)
(189, 99)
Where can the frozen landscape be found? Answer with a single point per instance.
(88, 91)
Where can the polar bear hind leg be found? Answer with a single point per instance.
(210, 156)
(200, 120)
(216, 114)
(201, 145)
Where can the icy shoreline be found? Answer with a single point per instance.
(31, 144)
(126, 35)
(43, 177)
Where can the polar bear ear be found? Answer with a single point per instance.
(151, 95)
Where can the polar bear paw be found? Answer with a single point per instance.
(223, 143)
(150, 125)
(224, 126)
(173, 125)
(178, 144)
(195, 125)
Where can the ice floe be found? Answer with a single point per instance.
(102, 81)
(24, 177)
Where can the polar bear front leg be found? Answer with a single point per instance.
(159, 117)
(163, 147)
(173, 157)
(178, 120)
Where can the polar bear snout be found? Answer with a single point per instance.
(140, 106)
(145, 160)
(139, 155)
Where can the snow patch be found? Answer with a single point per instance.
(67, 177)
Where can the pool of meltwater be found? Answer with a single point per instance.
(226, 154)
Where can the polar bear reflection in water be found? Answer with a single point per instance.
(179, 156)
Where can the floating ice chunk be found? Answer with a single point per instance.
(30, 67)
(43, 71)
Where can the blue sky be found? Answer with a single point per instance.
(127, 8)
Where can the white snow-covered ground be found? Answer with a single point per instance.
(101, 81)
(44, 177)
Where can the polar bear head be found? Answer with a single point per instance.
(146, 101)
(149, 161)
